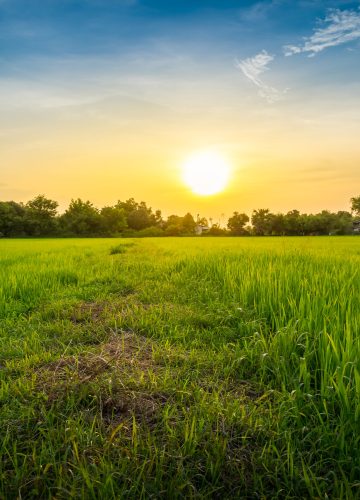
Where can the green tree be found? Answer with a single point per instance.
(139, 219)
(237, 223)
(343, 222)
(41, 216)
(138, 215)
(151, 232)
(216, 230)
(322, 223)
(128, 206)
(173, 225)
(188, 224)
(355, 205)
(158, 218)
(82, 218)
(277, 224)
(293, 223)
(176, 225)
(261, 219)
(113, 220)
(12, 218)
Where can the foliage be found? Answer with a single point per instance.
(216, 230)
(12, 218)
(261, 221)
(138, 215)
(39, 217)
(152, 231)
(81, 218)
(355, 205)
(176, 225)
(237, 223)
(113, 220)
(188, 224)
(139, 219)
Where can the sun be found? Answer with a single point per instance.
(206, 172)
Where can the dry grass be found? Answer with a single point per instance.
(106, 371)
(89, 311)
(122, 351)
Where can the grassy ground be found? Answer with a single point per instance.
(172, 368)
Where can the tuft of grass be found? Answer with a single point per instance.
(122, 248)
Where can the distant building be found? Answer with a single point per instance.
(356, 226)
(200, 229)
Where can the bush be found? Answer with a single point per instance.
(152, 231)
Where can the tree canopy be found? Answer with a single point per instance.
(237, 223)
(39, 217)
(355, 205)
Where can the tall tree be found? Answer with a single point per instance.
(82, 218)
(355, 205)
(343, 222)
(188, 224)
(12, 219)
(237, 223)
(260, 220)
(113, 220)
(293, 223)
(173, 225)
(138, 215)
(41, 216)
(216, 230)
(139, 219)
(277, 224)
(176, 225)
(158, 218)
(128, 206)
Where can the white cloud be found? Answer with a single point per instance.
(253, 68)
(341, 26)
(259, 11)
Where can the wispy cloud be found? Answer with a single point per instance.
(338, 27)
(253, 68)
(259, 11)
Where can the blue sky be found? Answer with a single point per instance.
(248, 76)
(36, 32)
(55, 27)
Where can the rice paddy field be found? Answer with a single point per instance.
(180, 368)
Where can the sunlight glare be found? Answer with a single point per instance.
(206, 173)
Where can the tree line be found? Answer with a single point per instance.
(39, 217)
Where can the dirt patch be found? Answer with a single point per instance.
(123, 350)
(130, 349)
(144, 406)
(88, 311)
(108, 381)
(96, 312)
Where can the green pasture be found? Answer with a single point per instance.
(180, 368)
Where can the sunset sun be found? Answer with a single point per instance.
(206, 172)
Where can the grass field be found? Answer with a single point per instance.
(172, 368)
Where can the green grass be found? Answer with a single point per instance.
(180, 368)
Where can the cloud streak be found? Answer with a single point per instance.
(253, 68)
(340, 26)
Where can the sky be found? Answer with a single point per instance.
(107, 99)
